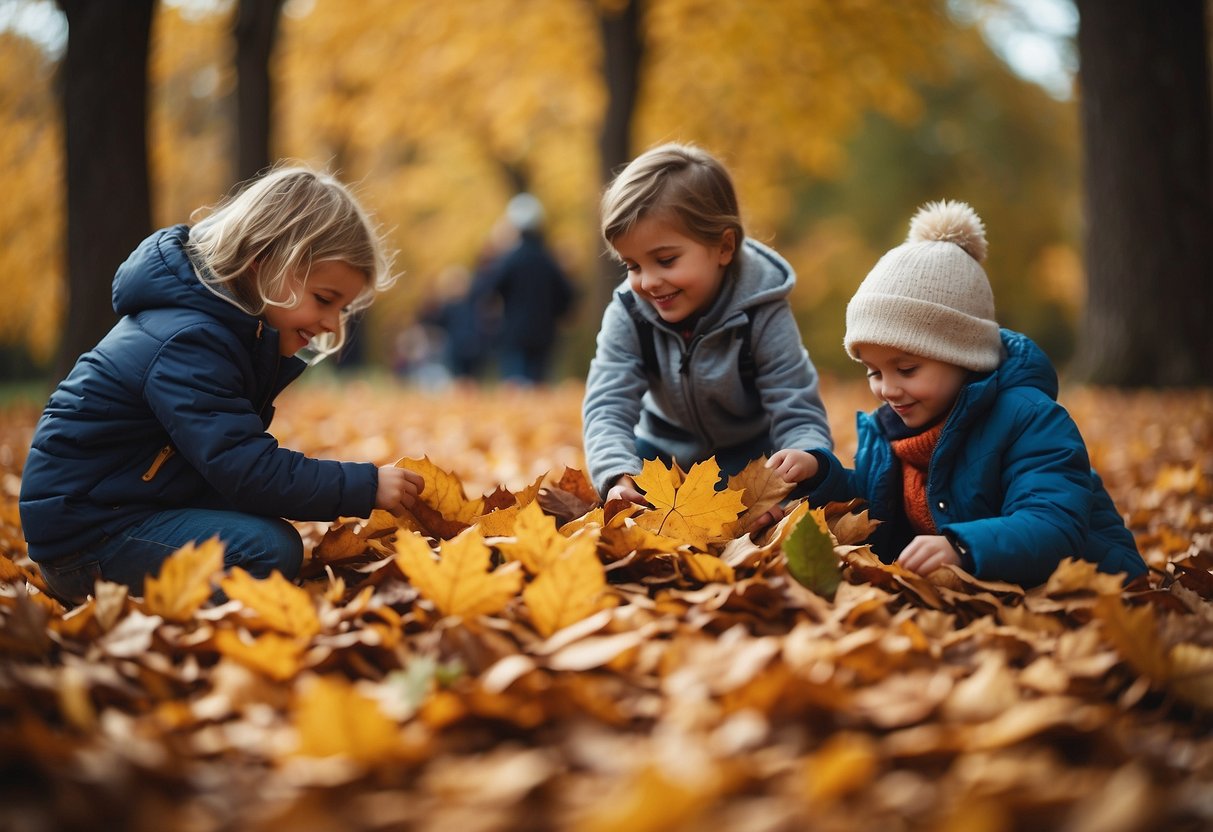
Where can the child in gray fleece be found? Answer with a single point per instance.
(698, 354)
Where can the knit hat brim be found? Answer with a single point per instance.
(939, 332)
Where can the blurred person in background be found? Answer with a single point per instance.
(531, 295)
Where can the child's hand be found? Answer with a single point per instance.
(398, 489)
(928, 552)
(772, 515)
(625, 489)
(793, 465)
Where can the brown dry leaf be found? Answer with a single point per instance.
(569, 588)
(500, 519)
(761, 488)
(849, 523)
(1191, 669)
(690, 510)
(649, 801)
(23, 630)
(333, 719)
(1075, 576)
(340, 543)
(184, 583)
(278, 657)
(459, 582)
(11, 572)
(989, 691)
(1134, 633)
(277, 602)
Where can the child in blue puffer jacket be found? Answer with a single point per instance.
(970, 460)
(158, 436)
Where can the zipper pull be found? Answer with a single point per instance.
(157, 463)
(260, 325)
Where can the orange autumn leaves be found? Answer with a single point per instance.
(557, 572)
(628, 679)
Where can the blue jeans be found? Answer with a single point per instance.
(258, 545)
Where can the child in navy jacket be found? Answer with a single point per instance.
(159, 435)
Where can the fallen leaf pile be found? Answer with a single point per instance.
(513, 654)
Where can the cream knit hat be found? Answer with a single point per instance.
(930, 295)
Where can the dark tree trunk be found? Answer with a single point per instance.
(105, 129)
(1149, 193)
(256, 31)
(622, 50)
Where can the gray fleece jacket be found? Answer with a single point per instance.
(700, 404)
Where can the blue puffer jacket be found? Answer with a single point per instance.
(170, 410)
(1010, 479)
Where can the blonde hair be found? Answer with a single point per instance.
(677, 180)
(253, 247)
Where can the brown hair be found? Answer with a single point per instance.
(678, 180)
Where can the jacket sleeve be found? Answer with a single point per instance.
(614, 388)
(835, 482)
(787, 382)
(1047, 499)
(197, 391)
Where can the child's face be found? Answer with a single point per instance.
(677, 274)
(920, 390)
(330, 287)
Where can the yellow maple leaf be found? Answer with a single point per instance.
(443, 491)
(568, 589)
(276, 656)
(708, 568)
(459, 582)
(333, 719)
(278, 603)
(184, 582)
(693, 510)
(536, 539)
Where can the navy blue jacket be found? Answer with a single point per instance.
(1010, 480)
(170, 410)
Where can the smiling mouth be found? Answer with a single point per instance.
(664, 298)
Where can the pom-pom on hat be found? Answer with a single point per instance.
(930, 295)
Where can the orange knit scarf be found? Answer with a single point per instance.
(915, 455)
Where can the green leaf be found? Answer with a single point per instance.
(810, 553)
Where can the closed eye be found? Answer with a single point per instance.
(666, 262)
(322, 300)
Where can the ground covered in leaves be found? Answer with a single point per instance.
(516, 656)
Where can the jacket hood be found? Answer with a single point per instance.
(760, 276)
(159, 274)
(1025, 365)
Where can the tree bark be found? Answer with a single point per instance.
(104, 99)
(622, 52)
(256, 31)
(1145, 107)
